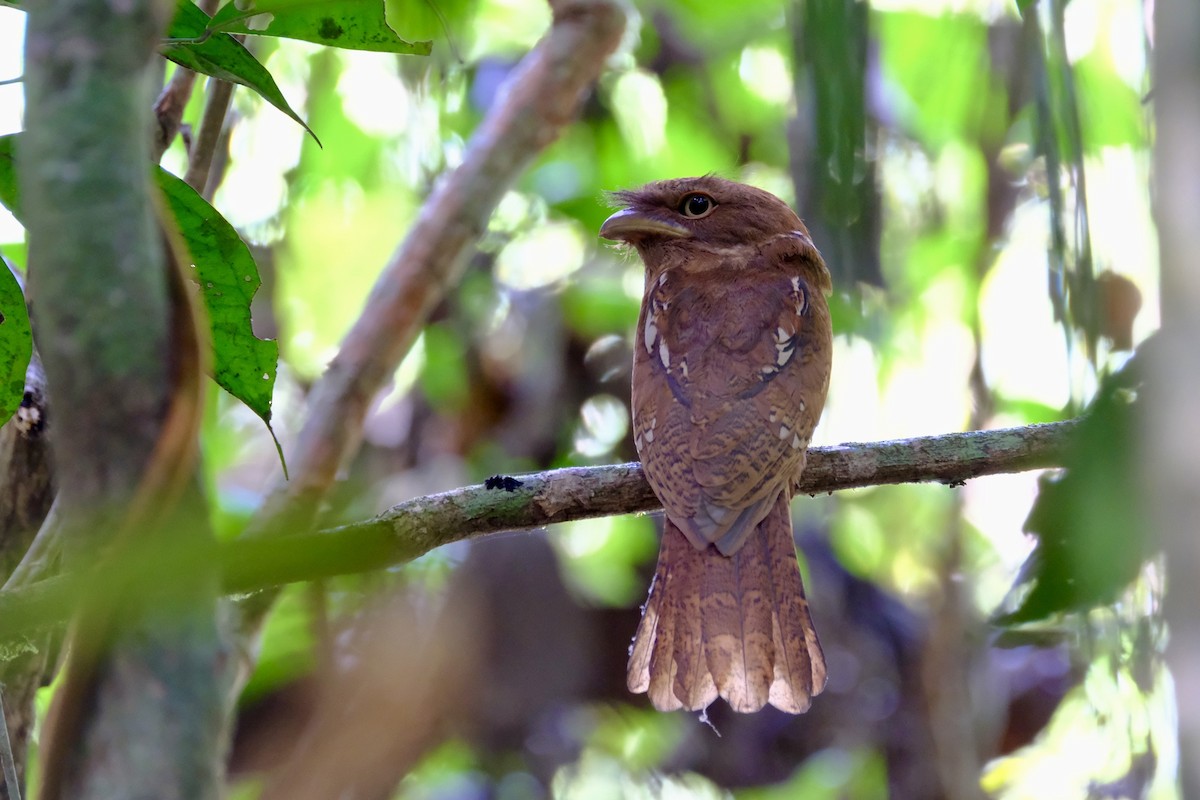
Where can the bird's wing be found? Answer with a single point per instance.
(730, 374)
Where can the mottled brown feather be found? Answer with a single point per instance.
(731, 368)
(739, 646)
(694, 686)
(800, 665)
(661, 667)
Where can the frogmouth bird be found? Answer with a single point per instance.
(731, 368)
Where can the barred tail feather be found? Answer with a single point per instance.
(736, 627)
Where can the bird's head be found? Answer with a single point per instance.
(703, 215)
(709, 209)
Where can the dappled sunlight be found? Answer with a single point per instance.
(1106, 732)
(1024, 353)
(329, 262)
(12, 57)
(542, 256)
(1123, 233)
(367, 77)
(765, 72)
(997, 508)
(601, 558)
(605, 422)
(507, 28)
(12, 99)
(641, 112)
(853, 411)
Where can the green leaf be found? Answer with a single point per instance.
(190, 44)
(16, 343)
(352, 24)
(936, 103)
(1090, 529)
(243, 364)
(10, 193)
(1110, 110)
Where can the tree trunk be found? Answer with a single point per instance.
(146, 717)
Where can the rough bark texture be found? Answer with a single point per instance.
(102, 314)
(26, 492)
(1172, 426)
(419, 525)
(508, 503)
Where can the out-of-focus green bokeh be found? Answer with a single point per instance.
(972, 168)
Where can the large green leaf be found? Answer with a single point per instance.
(352, 24)
(1110, 110)
(191, 44)
(16, 343)
(243, 364)
(1089, 526)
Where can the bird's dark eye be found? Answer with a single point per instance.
(696, 205)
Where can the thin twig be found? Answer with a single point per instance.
(11, 782)
(204, 143)
(169, 107)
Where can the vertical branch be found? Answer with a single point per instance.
(26, 492)
(171, 102)
(542, 98)
(1172, 426)
(204, 144)
(168, 109)
(138, 714)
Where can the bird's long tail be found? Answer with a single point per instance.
(736, 627)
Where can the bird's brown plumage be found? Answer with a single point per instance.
(731, 368)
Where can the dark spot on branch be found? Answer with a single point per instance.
(505, 482)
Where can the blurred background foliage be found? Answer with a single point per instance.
(976, 174)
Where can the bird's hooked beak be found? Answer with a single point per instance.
(628, 225)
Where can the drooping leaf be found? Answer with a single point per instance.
(1090, 529)
(351, 24)
(16, 343)
(190, 44)
(243, 364)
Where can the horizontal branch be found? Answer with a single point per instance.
(418, 526)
